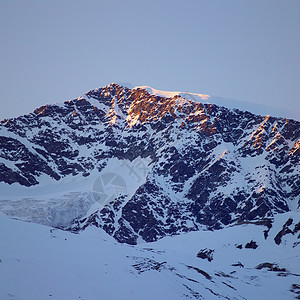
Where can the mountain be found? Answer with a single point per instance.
(142, 166)
(160, 166)
(171, 197)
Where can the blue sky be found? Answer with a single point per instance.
(53, 51)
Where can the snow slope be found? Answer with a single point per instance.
(39, 262)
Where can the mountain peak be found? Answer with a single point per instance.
(259, 109)
(168, 94)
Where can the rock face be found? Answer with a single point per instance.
(208, 165)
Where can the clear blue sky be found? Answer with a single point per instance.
(56, 50)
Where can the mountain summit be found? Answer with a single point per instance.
(144, 166)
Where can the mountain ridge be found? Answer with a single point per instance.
(255, 108)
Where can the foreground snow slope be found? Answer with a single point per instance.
(38, 262)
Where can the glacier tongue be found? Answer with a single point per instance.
(58, 205)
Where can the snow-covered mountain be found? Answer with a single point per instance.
(148, 166)
(142, 166)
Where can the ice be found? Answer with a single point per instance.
(59, 203)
